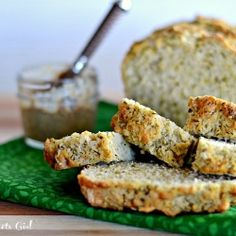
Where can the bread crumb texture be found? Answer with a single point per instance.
(182, 60)
(211, 117)
(148, 187)
(215, 157)
(151, 132)
(85, 148)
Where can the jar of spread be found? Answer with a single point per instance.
(56, 108)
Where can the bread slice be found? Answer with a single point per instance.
(86, 148)
(147, 187)
(215, 157)
(157, 135)
(211, 117)
(182, 60)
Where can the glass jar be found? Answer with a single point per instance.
(50, 110)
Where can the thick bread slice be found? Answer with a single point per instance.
(86, 148)
(215, 157)
(157, 135)
(183, 60)
(147, 187)
(211, 117)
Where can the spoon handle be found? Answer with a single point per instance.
(117, 8)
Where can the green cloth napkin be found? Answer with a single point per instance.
(26, 178)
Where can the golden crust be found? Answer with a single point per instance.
(143, 127)
(49, 153)
(216, 25)
(205, 27)
(170, 198)
(211, 117)
(147, 129)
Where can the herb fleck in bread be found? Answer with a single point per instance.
(86, 148)
(211, 117)
(215, 157)
(185, 59)
(147, 187)
(157, 135)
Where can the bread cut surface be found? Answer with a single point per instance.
(211, 117)
(86, 148)
(215, 157)
(151, 132)
(147, 187)
(182, 60)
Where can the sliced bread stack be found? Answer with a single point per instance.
(169, 187)
(214, 119)
(162, 72)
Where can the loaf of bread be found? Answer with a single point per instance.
(211, 117)
(147, 187)
(151, 132)
(182, 60)
(215, 157)
(86, 148)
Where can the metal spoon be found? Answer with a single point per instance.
(81, 61)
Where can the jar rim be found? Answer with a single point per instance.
(42, 83)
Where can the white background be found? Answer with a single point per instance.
(40, 31)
